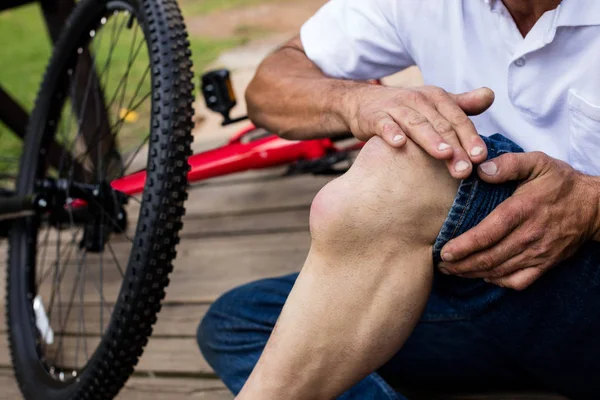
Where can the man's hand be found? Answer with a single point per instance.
(552, 213)
(434, 119)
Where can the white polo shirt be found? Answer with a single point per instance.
(547, 85)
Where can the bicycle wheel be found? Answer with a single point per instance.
(87, 271)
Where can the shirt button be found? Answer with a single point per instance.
(519, 62)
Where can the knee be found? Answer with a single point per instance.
(389, 195)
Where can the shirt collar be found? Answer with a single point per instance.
(578, 13)
(571, 12)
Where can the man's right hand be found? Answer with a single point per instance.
(433, 118)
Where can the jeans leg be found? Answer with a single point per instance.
(236, 328)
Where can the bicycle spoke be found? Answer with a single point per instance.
(132, 107)
(101, 294)
(135, 153)
(82, 315)
(106, 68)
(43, 261)
(68, 257)
(121, 81)
(129, 64)
(119, 268)
(120, 122)
(61, 276)
(71, 298)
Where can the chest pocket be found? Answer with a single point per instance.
(584, 127)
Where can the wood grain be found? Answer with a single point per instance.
(203, 268)
(174, 320)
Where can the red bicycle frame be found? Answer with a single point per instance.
(238, 156)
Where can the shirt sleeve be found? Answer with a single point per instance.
(356, 39)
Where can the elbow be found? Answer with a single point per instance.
(256, 101)
(262, 104)
(253, 102)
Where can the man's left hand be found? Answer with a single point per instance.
(551, 214)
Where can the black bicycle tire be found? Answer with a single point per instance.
(159, 220)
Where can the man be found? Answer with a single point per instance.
(430, 265)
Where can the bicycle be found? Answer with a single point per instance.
(103, 180)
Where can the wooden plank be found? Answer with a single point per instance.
(270, 204)
(203, 269)
(174, 320)
(8, 383)
(210, 267)
(173, 355)
(138, 388)
(141, 388)
(254, 195)
(244, 222)
(249, 223)
(5, 360)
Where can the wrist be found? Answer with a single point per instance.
(346, 101)
(594, 195)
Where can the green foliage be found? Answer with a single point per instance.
(25, 50)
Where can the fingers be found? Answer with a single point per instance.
(464, 130)
(513, 166)
(519, 280)
(476, 101)
(501, 222)
(418, 125)
(446, 119)
(434, 120)
(499, 260)
(440, 132)
(390, 131)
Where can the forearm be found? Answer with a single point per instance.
(290, 96)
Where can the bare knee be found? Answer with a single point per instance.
(389, 196)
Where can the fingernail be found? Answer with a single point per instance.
(461, 166)
(476, 151)
(444, 271)
(398, 138)
(443, 146)
(486, 280)
(489, 168)
(448, 257)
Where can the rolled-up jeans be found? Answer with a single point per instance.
(472, 335)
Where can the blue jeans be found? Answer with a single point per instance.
(472, 334)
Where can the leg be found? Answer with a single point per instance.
(366, 279)
(234, 331)
(236, 328)
(446, 349)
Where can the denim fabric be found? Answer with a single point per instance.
(474, 200)
(471, 336)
